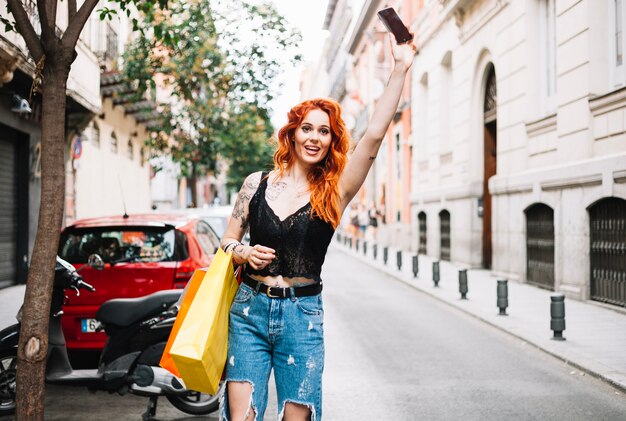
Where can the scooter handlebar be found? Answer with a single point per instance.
(84, 285)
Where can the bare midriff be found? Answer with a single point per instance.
(283, 282)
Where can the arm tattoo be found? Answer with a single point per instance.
(274, 190)
(239, 210)
(253, 181)
(244, 196)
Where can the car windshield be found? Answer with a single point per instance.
(139, 244)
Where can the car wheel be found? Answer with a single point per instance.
(8, 370)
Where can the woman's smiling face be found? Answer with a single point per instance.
(312, 137)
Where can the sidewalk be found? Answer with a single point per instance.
(595, 335)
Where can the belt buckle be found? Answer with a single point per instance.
(267, 292)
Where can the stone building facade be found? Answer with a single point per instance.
(519, 141)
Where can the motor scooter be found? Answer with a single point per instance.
(137, 330)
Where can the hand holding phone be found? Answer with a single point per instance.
(394, 24)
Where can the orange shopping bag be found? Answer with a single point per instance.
(200, 347)
(183, 307)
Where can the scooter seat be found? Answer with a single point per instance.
(126, 311)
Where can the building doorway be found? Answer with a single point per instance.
(444, 235)
(607, 219)
(8, 211)
(489, 158)
(421, 218)
(540, 246)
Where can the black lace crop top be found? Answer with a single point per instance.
(300, 242)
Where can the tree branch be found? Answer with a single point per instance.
(71, 9)
(47, 31)
(26, 29)
(51, 10)
(76, 25)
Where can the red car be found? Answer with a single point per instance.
(142, 254)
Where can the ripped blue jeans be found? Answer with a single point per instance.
(283, 334)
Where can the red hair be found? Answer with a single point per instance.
(324, 176)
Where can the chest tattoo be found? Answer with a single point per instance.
(274, 190)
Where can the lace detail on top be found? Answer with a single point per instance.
(299, 241)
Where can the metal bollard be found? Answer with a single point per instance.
(350, 242)
(365, 248)
(415, 266)
(339, 237)
(375, 250)
(503, 296)
(436, 273)
(463, 283)
(399, 259)
(357, 244)
(385, 254)
(557, 316)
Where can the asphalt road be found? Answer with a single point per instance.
(393, 353)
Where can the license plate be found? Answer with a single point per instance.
(90, 325)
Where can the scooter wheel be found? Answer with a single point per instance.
(196, 403)
(8, 370)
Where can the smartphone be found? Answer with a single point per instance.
(394, 24)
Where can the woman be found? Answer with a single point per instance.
(277, 317)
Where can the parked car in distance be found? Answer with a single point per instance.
(216, 216)
(142, 254)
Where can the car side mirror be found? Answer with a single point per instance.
(95, 261)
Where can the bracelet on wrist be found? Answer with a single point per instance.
(232, 246)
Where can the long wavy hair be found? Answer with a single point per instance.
(324, 176)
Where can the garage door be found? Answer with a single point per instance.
(8, 213)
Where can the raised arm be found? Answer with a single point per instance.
(367, 148)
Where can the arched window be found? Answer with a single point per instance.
(607, 219)
(113, 142)
(444, 227)
(540, 246)
(421, 219)
(491, 97)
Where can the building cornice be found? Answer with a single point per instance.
(608, 102)
(544, 125)
(369, 8)
(330, 11)
(559, 177)
(433, 20)
(450, 193)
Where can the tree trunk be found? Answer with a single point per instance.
(191, 185)
(33, 344)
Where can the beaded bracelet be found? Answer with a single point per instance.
(232, 244)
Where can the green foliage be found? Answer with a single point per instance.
(222, 61)
(248, 144)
